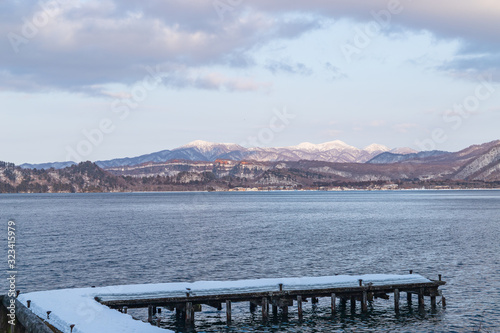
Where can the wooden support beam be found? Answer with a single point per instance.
(265, 308)
(353, 304)
(150, 313)
(421, 298)
(189, 313)
(178, 313)
(364, 300)
(154, 310)
(253, 306)
(343, 301)
(228, 312)
(299, 306)
(443, 301)
(334, 305)
(433, 301)
(396, 300)
(408, 297)
(284, 311)
(275, 309)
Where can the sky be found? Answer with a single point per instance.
(96, 80)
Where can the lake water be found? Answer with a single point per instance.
(80, 240)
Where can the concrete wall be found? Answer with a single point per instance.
(26, 321)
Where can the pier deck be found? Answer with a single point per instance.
(188, 298)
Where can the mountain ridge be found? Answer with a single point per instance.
(477, 166)
(199, 150)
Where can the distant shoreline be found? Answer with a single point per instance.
(266, 191)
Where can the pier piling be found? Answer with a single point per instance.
(252, 307)
(189, 314)
(421, 298)
(396, 300)
(265, 308)
(299, 306)
(150, 313)
(364, 298)
(228, 312)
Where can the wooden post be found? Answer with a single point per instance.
(189, 313)
(443, 301)
(408, 297)
(314, 300)
(265, 308)
(343, 302)
(275, 310)
(154, 310)
(299, 306)
(158, 321)
(411, 271)
(433, 301)
(396, 300)
(281, 286)
(150, 313)
(228, 312)
(71, 327)
(364, 300)
(28, 302)
(177, 313)
(421, 298)
(284, 311)
(353, 304)
(439, 277)
(334, 305)
(125, 309)
(252, 307)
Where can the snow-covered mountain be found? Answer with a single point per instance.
(332, 151)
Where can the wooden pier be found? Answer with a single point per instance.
(279, 297)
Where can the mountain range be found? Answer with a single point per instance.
(478, 162)
(477, 166)
(333, 151)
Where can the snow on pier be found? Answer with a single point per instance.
(94, 309)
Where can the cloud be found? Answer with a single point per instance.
(404, 127)
(217, 81)
(336, 73)
(285, 66)
(334, 133)
(77, 45)
(474, 23)
(377, 123)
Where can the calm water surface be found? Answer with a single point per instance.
(79, 240)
